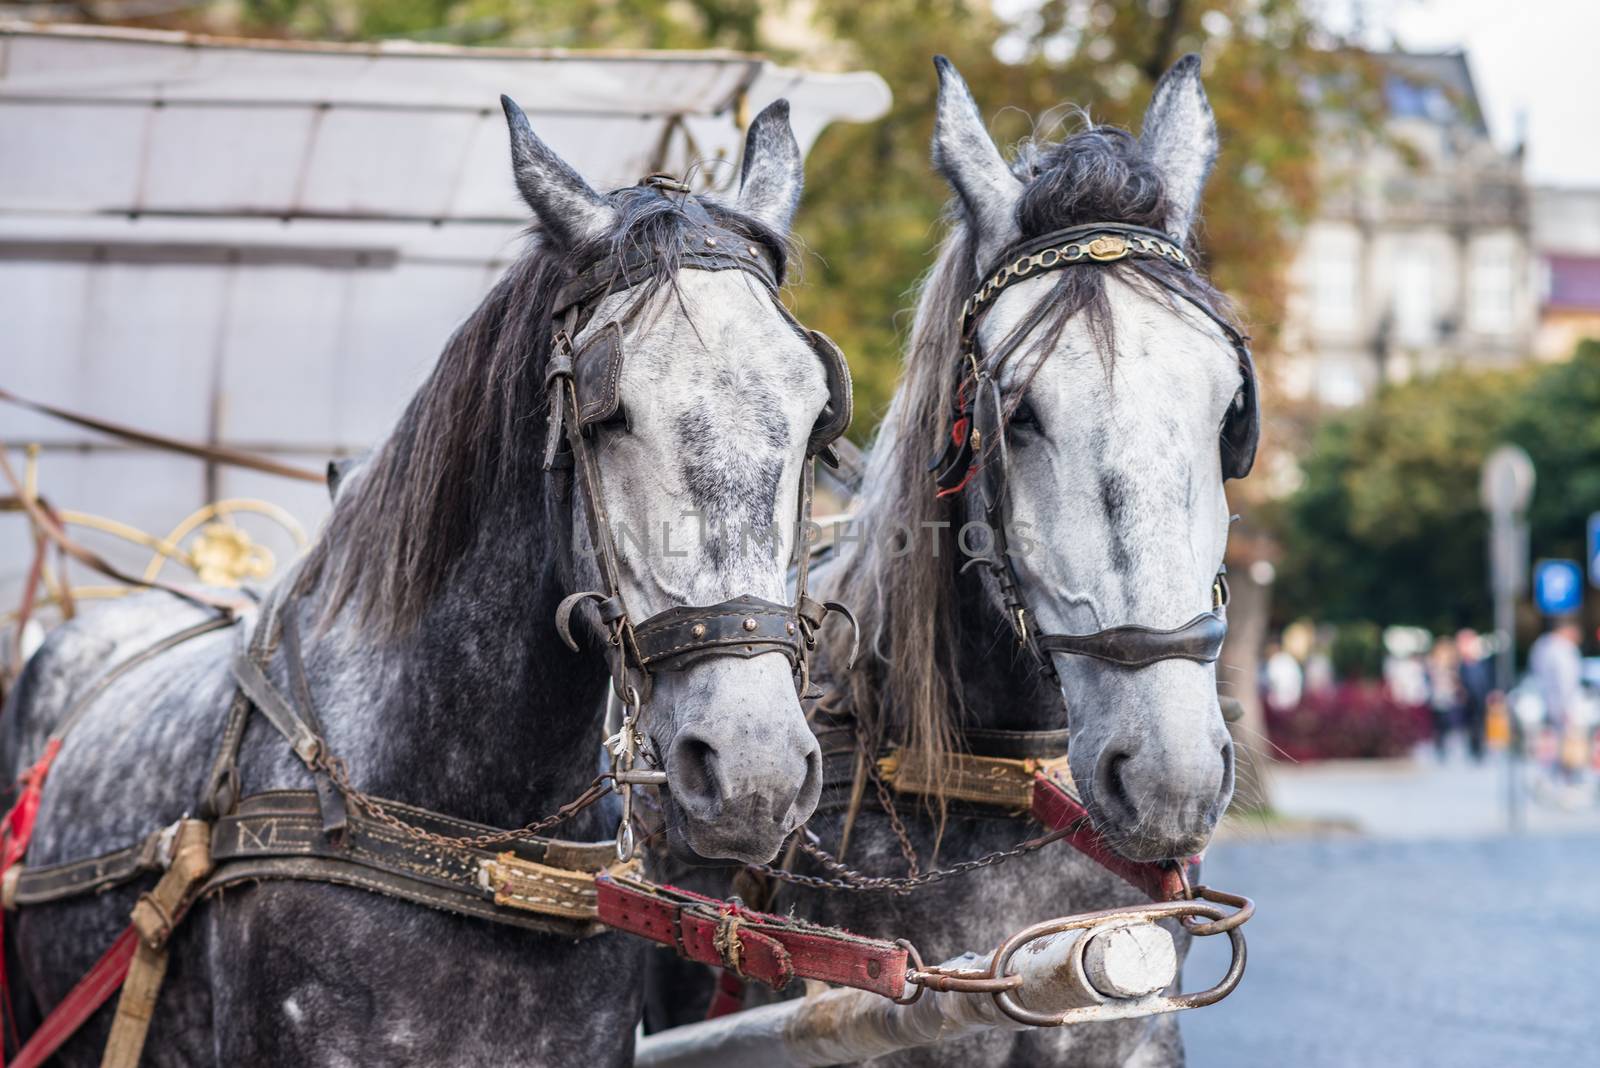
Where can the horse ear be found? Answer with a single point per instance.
(1180, 136)
(567, 209)
(966, 155)
(772, 174)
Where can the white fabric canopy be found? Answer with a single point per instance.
(267, 244)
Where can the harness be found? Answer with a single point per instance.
(1009, 775)
(334, 833)
(585, 394)
(977, 448)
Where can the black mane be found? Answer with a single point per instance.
(475, 429)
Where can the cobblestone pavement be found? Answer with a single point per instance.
(1365, 952)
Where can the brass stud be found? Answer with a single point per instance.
(698, 630)
(752, 251)
(711, 241)
(750, 624)
(789, 627)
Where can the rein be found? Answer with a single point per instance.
(335, 833)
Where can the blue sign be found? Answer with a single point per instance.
(1558, 587)
(1594, 549)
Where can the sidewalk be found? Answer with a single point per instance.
(1412, 798)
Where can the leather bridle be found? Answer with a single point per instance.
(583, 384)
(977, 447)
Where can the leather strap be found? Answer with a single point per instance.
(1057, 806)
(773, 950)
(1015, 744)
(1135, 646)
(81, 1002)
(58, 882)
(155, 916)
(279, 835)
(278, 712)
(743, 626)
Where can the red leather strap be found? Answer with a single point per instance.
(16, 830)
(92, 991)
(755, 945)
(728, 996)
(1055, 807)
(18, 826)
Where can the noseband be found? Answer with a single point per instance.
(584, 387)
(977, 444)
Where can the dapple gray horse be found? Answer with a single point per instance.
(1115, 483)
(427, 607)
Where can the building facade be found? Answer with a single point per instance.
(1421, 257)
(1566, 233)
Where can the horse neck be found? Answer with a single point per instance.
(478, 711)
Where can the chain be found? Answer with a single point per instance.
(339, 773)
(852, 881)
(886, 800)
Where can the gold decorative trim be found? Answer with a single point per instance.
(540, 888)
(999, 781)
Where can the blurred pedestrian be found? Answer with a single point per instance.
(1556, 665)
(1444, 691)
(1477, 683)
(1284, 681)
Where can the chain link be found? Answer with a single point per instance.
(886, 800)
(852, 881)
(340, 775)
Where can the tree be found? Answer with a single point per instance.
(1388, 526)
(873, 200)
(873, 203)
(1557, 419)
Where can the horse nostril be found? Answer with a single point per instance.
(810, 789)
(696, 775)
(1113, 790)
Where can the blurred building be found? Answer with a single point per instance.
(1421, 256)
(1566, 233)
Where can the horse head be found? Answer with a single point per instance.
(1113, 396)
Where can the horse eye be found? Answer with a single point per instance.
(1023, 417)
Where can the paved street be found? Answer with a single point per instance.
(1432, 939)
(1420, 798)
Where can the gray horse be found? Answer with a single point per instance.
(1115, 478)
(427, 607)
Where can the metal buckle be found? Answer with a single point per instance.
(1108, 247)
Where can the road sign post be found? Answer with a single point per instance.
(1505, 489)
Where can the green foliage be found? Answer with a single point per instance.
(873, 205)
(1388, 526)
(1558, 421)
(1357, 652)
(873, 201)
